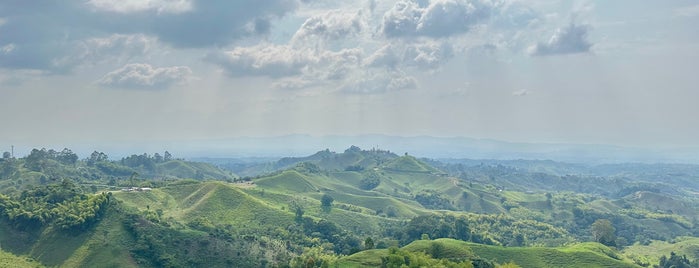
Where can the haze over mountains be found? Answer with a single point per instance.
(423, 146)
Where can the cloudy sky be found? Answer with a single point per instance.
(101, 71)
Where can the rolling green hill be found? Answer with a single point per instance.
(651, 253)
(11, 260)
(196, 215)
(579, 255)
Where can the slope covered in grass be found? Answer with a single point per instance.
(651, 253)
(11, 260)
(226, 204)
(287, 181)
(409, 164)
(579, 255)
(107, 244)
(216, 201)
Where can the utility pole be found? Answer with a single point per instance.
(12, 154)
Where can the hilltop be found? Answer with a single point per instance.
(98, 172)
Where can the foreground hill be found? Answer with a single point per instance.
(10, 260)
(651, 253)
(579, 255)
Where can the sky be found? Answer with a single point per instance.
(124, 71)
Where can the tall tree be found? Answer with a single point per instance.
(67, 157)
(96, 157)
(368, 243)
(327, 201)
(603, 232)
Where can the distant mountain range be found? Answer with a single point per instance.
(421, 146)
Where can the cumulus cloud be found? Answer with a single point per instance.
(331, 25)
(116, 48)
(145, 76)
(568, 40)
(427, 55)
(385, 56)
(283, 60)
(212, 23)
(117, 44)
(440, 18)
(401, 20)
(128, 6)
(262, 60)
(47, 44)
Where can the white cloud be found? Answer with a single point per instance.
(7, 49)
(283, 60)
(263, 60)
(331, 25)
(135, 44)
(128, 6)
(385, 56)
(440, 18)
(114, 48)
(569, 40)
(402, 19)
(145, 76)
(428, 55)
(425, 55)
(48, 44)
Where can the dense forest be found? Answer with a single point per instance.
(357, 208)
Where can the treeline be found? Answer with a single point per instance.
(483, 229)
(60, 205)
(38, 160)
(98, 171)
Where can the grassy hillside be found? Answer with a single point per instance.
(196, 170)
(215, 201)
(105, 245)
(579, 255)
(287, 181)
(11, 260)
(651, 253)
(409, 164)
(213, 220)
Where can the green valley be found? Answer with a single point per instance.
(357, 208)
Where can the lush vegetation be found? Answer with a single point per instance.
(356, 208)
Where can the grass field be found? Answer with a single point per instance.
(579, 255)
(651, 253)
(10, 260)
